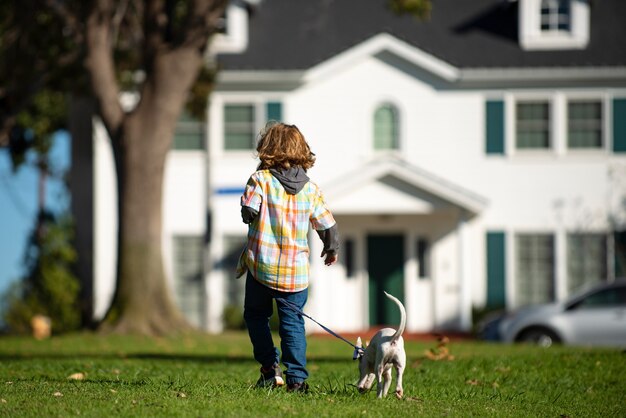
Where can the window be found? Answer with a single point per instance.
(555, 15)
(534, 268)
(244, 121)
(239, 126)
(422, 258)
(586, 260)
(533, 125)
(386, 128)
(554, 24)
(189, 134)
(584, 124)
(188, 277)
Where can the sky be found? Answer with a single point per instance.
(18, 205)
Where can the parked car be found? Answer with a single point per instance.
(596, 316)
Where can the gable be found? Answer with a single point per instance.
(388, 195)
(392, 186)
(388, 49)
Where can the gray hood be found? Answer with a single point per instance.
(293, 179)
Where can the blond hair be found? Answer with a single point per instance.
(283, 145)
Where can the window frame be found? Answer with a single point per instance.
(186, 121)
(177, 277)
(552, 139)
(397, 140)
(606, 135)
(217, 112)
(515, 265)
(254, 125)
(532, 37)
(558, 103)
(569, 235)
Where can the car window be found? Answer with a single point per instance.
(604, 298)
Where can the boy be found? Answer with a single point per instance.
(278, 204)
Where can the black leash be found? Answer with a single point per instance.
(294, 307)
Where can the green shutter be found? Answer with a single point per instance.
(496, 269)
(619, 125)
(275, 111)
(494, 127)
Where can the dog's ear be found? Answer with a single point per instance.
(358, 349)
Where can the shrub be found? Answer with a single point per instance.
(50, 288)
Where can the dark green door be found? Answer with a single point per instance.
(385, 264)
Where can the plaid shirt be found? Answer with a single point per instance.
(277, 252)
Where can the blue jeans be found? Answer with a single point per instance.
(258, 308)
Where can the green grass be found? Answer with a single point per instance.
(207, 376)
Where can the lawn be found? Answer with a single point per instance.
(207, 376)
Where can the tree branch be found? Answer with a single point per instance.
(155, 22)
(100, 64)
(202, 22)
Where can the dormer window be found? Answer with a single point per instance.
(555, 15)
(553, 24)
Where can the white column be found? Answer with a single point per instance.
(560, 257)
(317, 304)
(465, 309)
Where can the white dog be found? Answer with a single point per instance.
(384, 351)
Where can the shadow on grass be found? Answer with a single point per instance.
(197, 358)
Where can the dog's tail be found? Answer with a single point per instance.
(402, 325)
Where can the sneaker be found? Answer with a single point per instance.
(298, 387)
(272, 377)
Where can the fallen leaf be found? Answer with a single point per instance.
(181, 395)
(113, 391)
(57, 394)
(473, 382)
(3, 400)
(77, 376)
(413, 399)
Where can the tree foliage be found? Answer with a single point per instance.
(39, 65)
(418, 8)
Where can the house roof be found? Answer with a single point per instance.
(297, 35)
(399, 188)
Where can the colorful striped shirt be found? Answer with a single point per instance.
(277, 252)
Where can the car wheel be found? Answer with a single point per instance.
(540, 336)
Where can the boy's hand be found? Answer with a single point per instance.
(331, 257)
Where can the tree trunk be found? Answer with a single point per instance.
(172, 55)
(143, 302)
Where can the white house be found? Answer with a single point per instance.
(476, 159)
